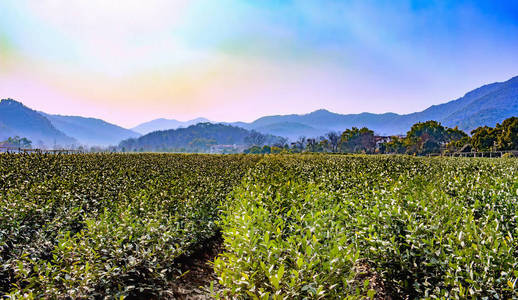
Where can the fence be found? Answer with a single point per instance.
(477, 154)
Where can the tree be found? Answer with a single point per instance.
(281, 142)
(333, 140)
(311, 144)
(275, 149)
(457, 139)
(201, 143)
(395, 145)
(301, 142)
(253, 150)
(255, 138)
(356, 140)
(484, 138)
(457, 145)
(455, 134)
(18, 142)
(507, 134)
(426, 137)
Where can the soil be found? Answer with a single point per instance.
(198, 275)
(364, 271)
(198, 272)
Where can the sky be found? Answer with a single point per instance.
(130, 61)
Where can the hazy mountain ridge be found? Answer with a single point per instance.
(18, 119)
(200, 137)
(90, 131)
(291, 130)
(486, 105)
(165, 124)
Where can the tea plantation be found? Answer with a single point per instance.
(293, 226)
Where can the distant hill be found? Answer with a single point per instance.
(165, 124)
(487, 105)
(91, 131)
(17, 119)
(290, 130)
(320, 122)
(195, 137)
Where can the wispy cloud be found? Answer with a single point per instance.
(238, 59)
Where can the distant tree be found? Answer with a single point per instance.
(484, 138)
(311, 144)
(201, 144)
(301, 143)
(455, 134)
(426, 137)
(324, 145)
(356, 140)
(255, 138)
(456, 139)
(18, 142)
(253, 150)
(507, 134)
(332, 140)
(280, 142)
(458, 144)
(275, 149)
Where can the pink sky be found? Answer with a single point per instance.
(236, 61)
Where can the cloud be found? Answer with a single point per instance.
(215, 56)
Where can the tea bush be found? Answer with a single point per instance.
(430, 227)
(106, 224)
(294, 226)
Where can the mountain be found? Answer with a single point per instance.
(322, 121)
(18, 119)
(498, 102)
(487, 105)
(165, 124)
(90, 131)
(199, 137)
(290, 130)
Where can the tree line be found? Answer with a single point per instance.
(17, 142)
(423, 138)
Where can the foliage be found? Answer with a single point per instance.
(294, 226)
(357, 140)
(438, 227)
(501, 137)
(196, 138)
(508, 134)
(426, 137)
(484, 138)
(201, 143)
(18, 142)
(254, 138)
(92, 225)
(395, 145)
(333, 140)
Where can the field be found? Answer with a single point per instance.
(285, 226)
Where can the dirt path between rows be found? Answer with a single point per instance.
(198, 272)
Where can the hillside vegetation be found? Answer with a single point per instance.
(196, 138)
(18, 120)
(90, 131)
(484, 106)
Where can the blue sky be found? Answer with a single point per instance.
(238, 60)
